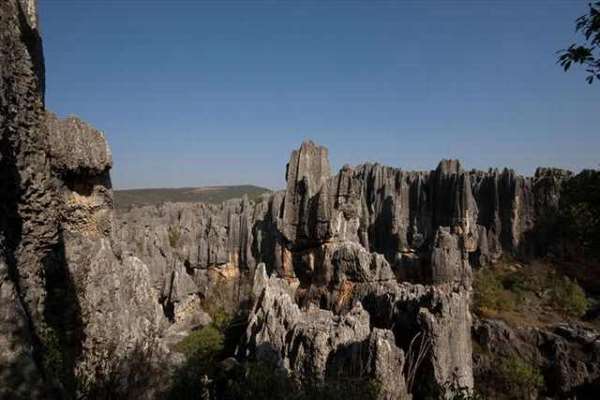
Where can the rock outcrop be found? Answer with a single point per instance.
(566, 355)
(317, 344)
(28, 198)
(67, 297)
(362, 274)
(366, 234)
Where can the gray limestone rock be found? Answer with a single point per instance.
(315, 344)
(339, 274)
(567, 355)
(28, 200)
(75, 147)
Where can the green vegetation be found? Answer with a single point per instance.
(569, 296)
(490, 294)
(125, 199)
(174, 235)
(204, 351)
(580, 213)
(520, 293)
(204, 344)
(259, 380)
(221, 318)
(587, 54)
(521, 379)
(511, 378)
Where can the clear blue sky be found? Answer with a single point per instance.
(195, 92)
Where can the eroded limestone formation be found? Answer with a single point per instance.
(372, 237)
(69, 302)
(352, 274)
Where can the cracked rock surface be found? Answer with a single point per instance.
(338, 275)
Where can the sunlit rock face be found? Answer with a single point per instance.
(373, 237)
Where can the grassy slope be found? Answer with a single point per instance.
(210, 194)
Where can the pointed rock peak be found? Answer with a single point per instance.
(448, 167)
(310, 161)
(29, 8)
(544, 172)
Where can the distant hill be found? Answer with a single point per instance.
(124, 199)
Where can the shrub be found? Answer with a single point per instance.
(522, 380)
(580, 212)
(220, 318)
(514, 293)
(490, 294)
(202, 350)
(174, 236)
(260, 380)
(205, 343)
(569, 296)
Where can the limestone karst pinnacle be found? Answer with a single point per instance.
(336, 274)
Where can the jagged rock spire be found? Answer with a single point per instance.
(307, 171)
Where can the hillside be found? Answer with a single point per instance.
(208, 194)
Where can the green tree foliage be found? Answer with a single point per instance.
(586, 54)
(205, 343)
(580, 212)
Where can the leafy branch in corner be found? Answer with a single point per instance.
(586, 54)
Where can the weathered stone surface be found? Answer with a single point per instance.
(315, 344)
(195, 252)
(352, 267)
(75, 147)
(567, 355)
(28, 214)
(331, 248)
(70, 305)
(305, 217)
(19, 374)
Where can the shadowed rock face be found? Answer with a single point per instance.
(66, 295)
(567, 353)
(28, 216)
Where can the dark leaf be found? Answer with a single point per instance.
(567, 65)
